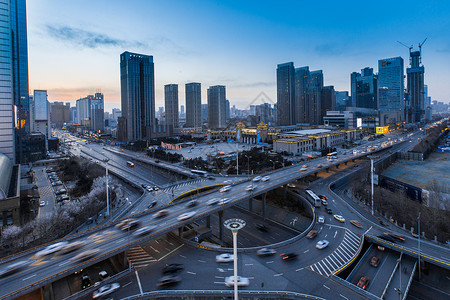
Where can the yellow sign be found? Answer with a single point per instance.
(382, 130)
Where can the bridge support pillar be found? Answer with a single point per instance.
(220, 225)
(180, 231)
(345, 163)
(208, 221)
(264, 206)
(328, 170)
(285, 192)
(250, 204)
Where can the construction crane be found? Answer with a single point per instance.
(420, 49)
(410, 47)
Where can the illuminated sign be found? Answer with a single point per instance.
(382, 130)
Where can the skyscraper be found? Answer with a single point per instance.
(216, 107)
(193, 105)
(391, 84)
(314, 97)
(302, 78)
(90, 112)
(415, 87)
(171, 106)
(327, 101)
(364, 88)
(7, 140)
(137, 85)
(285, 94)
(227, 109)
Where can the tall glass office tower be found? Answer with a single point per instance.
(137, 85)
(391, 85)
(286, 94)
(193, 105)
(171, 106)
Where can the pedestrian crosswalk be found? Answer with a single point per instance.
(139, 258)
(340, 257)
(187, 183)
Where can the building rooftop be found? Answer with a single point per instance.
(310, 131)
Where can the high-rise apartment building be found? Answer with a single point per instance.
(286, 94)
(90, 112)
(227, 109)
(171, 106)
(204, 113)
(391, 84)
(342, 100)
(364, 88)
(216, 107)
(193, 105)
(59, 113)
(302, 78)
(42, 113)
(137, 85)
(328, 101)
(415, 88)
(314, 97)
(116, 113)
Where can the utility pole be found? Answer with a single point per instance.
(371, 157)
(234, 225)
(237, 158)
(418, 225)
(107, 187)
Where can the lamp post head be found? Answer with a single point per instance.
(234, 224)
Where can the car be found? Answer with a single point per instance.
(210, 177)
(42, 203)
(124, 222)
(172, 268)
(228, 181)
(396, 236)
(265, 178)
(85, 255)
(363, 282)
(161, 213)
(241, 281)
(322, 197)
(144, 186)
(155, 188)
(144, 230)
(168, 280)
(51, 249)
(305, 166)
(262, 227)
(249, 188)
(224, 257)
(72, 247)
(225, 189)
(212, 201)
(288, 256)
(355, 166)
(85, 281)
(339, 218)
(322, 244)
(303, 169)
(324, 202)
(15, 267)
(381, 248)
(153, 204)
(329, 211)
(374, 261)
(102, 275)
(311, 234)
(265, 252)
(387, 238)
(106, 290)
(321, 220)
(224, 201)
(257, 178)
(150, 189)
(356, 223)
(191, 203)
(186, 215)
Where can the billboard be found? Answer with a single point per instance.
(359, 122)
(40, 105)
(382, 130)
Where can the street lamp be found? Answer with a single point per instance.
(371, 157)
(237, 158)
(107, 187)
(234, 225)
(418, 229)
(248, 166)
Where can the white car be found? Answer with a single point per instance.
(85, 255)
(339, 218)
(265, 178)
(225, 189)
(322, 244)
(14, 268)
(186, 216)
(224, 257)
(266, 252)
(224, 201)
(257, 178)
(303, 169)
(72, 247)
(212, 201)
(249, 188)
(51, 249)
(42, 203)
(321, 220)
(106, 290)
(144, 230)
(241, 281)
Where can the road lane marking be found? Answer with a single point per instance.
(138, 281)
(326, 286)
(126, 284)
(343, 296)
(219, 277)
(182, 256)
(164, 256)
(326, 235)
(202, 261)
(64, 263)
(335, 234)
(28, 277)
(192, 273)
(306, 251)
(248, 264)
(220, 282)
(299, 269)
(281, 274)
(220, 270)
(269, 262)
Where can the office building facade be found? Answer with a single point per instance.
(415, 88)
(216, 107)
(391, 85)
(286, 94)
(90, 112)
(302, 78)
(364, 88)
(314, 108)
(193, 92)
(171, 106)
(137, 85)
(59, 113)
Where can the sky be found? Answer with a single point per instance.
(74, 46)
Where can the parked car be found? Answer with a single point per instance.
(241, 281)
(42, 203)
(224, 257)
(102, 275)
(106, 290)
(375, 261)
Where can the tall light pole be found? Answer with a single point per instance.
(248, 166)
(234, 225)
(418, 229)
(371, 157)
(237, 158)
(107, 187)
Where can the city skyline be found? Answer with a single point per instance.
(242, 60)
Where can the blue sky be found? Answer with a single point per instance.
(74, 46)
